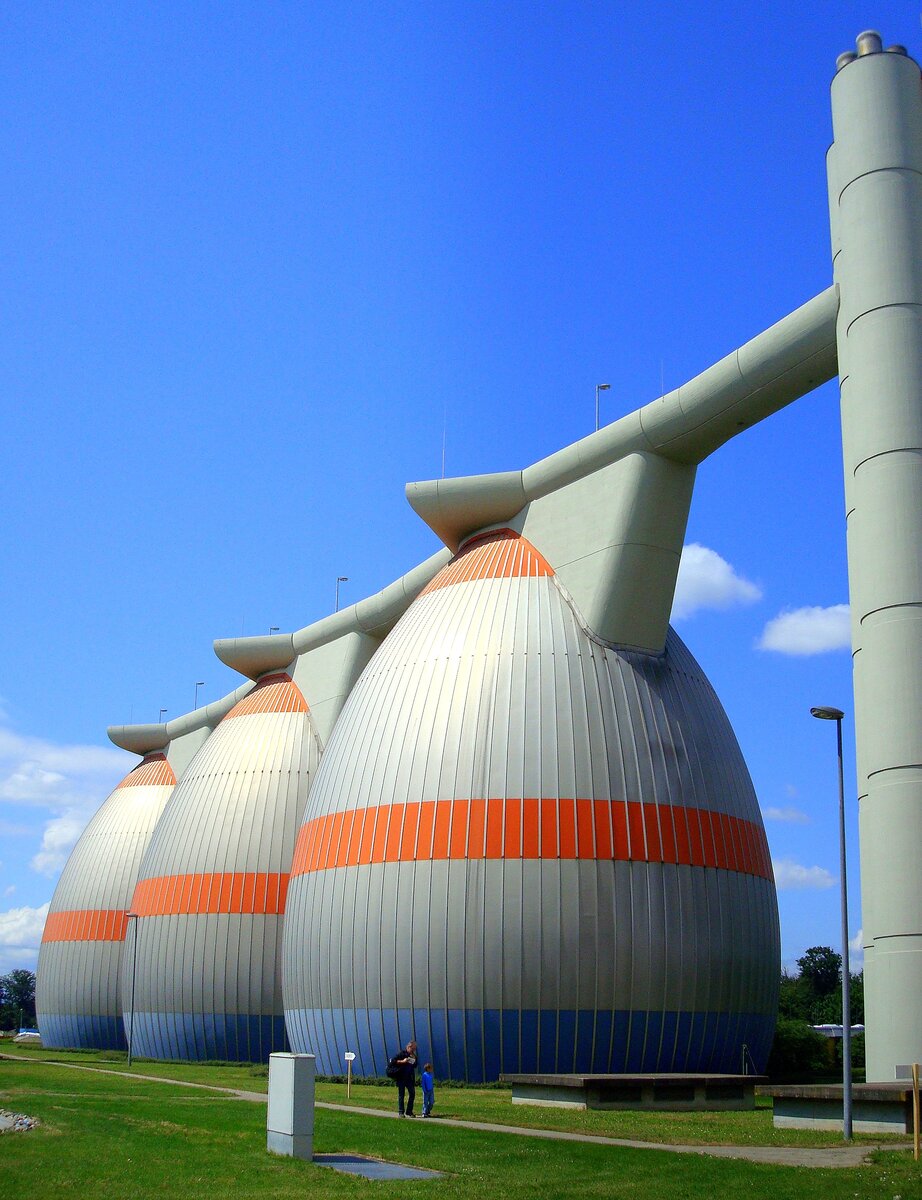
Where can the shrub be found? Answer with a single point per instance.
(798, 1051)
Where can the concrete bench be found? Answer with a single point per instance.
(669, 1093)
(876, 1107)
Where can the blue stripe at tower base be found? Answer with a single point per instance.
(228, 1037)
(482, 1045)
(68, 1031)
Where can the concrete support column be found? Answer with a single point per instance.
(875, 180)
(290, 1116)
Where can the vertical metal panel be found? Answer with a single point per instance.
(212, 884)
(78, 1001)
(593, 932)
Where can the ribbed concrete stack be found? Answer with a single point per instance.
(78, 998)
(875, 189)
(211, 890)
(529, 851)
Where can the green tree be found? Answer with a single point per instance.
(815, 994)
(821, 967)
(827, 1010)
(856, 997)
(795, 998)
(17, 998)
(813, 997)
(798, 1052)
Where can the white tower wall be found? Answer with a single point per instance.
(875, 174)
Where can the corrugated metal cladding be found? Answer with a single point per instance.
(529, 851)
(77, 981)
(211, 890)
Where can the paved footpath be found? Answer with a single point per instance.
(784, 1156)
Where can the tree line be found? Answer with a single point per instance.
(17, 999)
(814, 997)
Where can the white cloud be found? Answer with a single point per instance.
(51, 791)
(791, 876)
(20, 936)
(22, 927)
(708, 581)
(811, 630)
(10, 890)
(28, 783)
(856, 951)
(44, 774)
(58, 839)
(791, 816)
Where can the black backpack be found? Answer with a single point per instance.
(393, 1069)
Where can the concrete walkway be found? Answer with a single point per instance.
(784, 1156)
(788, 1156)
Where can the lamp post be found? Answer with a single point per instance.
(836, 714)
(339, 579)
(133, 918)
(201, 683)
(599, 387)
(160, 716)
(273, 629)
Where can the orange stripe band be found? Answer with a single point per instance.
(561, 829)
(274, 693)
(151, 771)
(250, 892)
(86, 925)
(496, 554)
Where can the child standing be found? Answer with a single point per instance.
(428, 1089)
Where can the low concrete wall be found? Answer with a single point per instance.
(671, 1093)
(876, 1107)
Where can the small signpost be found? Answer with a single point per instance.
(349, 1056)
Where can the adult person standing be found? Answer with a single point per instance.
(406, 1080)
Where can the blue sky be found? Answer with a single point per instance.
(256, 257)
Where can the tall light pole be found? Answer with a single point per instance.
(836, 714)
(201, 683)
(160, 716)
(339, 579)
(133, 918)
(599, 387)
(273, 629)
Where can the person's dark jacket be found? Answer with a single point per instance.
(407, 1067)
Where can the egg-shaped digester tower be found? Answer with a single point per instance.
(528, 850)
(204, 981)
(77, 994)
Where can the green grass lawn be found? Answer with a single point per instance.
(106, 1136)
(492, 1104)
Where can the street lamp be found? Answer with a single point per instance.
(201, 683)
(133, 917)
(273, 629)
(599, 387)
(160, 717)
(339, 579)
(836, 714)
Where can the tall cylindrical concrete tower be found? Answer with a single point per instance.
(875, 174)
